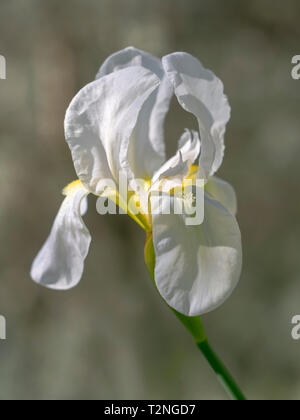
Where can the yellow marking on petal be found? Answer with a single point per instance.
(141, 219)
(147, 184)
(192, 173)
(72, 187)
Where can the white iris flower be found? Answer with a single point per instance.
(116, 125)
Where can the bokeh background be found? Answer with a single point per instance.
(111, 337)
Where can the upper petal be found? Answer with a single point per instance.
(147, 146)
(100, 121)
(59, 264)
(129, 57)
(200, 92)
(176, 168)
(197, 267)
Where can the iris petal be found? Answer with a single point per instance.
(197, 267)
(59, 264)
(147, 146)
(100, 121)
(200, 92)
(223, 192)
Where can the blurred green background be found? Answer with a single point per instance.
(112, 337)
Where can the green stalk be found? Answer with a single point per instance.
(195, 327)
(222, 373)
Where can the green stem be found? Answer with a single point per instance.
(222, 373)
(195, 327)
